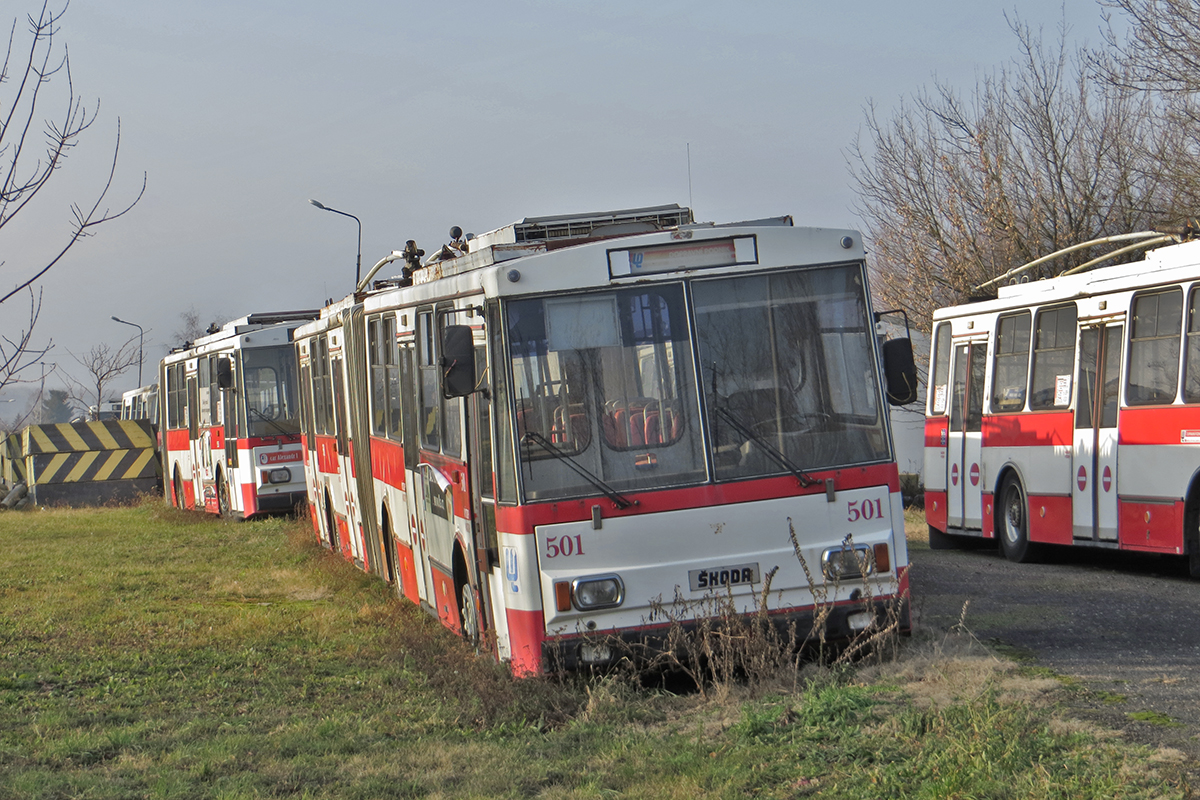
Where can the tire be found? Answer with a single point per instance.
(177, 490)
(939, 540)
(468, 614)
(224, 507)
(1012, 523)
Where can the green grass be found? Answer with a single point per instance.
(146, 652)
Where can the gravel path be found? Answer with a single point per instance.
(1127, 625)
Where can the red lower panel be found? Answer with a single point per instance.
(408, 572)
(935, 509)
(526, 630)
(1050, 519)
(249, 500)
(446, 602)
(344, 536)
(1156, 527)
(989, 516)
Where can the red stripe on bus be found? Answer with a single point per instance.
(178, 440)
(523, 519)
(387, 462)
(935, 510)
(936, 429)
(1158, 424)
(1029, 430)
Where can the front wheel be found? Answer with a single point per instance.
(223, 505)
(1014, 522)
(468, 614)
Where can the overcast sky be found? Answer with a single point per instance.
(419, 116)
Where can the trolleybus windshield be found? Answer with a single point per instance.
(270, 381)
(789, 357)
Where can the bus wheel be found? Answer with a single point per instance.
(1014, 522)
(223, 505)
(468, 614)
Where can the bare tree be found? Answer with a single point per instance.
(33, 150)
(103, 364)
(1041, 155)
(1160, 55)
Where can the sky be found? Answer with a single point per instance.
(416, 117)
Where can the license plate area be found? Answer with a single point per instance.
(733, 577)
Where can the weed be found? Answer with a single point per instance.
(1154, 718)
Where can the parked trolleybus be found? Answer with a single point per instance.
(540, 433)
(230, 426)
(1067, 411)
(141, 403)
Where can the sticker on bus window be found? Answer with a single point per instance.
(1062, 390)
(939, 399)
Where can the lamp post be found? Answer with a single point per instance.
(358, 263)
(141, 341)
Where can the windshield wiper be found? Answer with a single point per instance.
(619, 500)
(776, 455)
(282, 430)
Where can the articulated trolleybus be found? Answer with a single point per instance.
(1067, 410)
(230, 419)
(540, 433)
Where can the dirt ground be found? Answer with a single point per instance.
(1127, 626)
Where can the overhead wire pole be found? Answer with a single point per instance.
(358, 263)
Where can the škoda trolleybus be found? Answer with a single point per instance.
(1067, 410)
(230, 430)
(541, 432)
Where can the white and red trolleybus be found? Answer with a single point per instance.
(541, 432)
(1067, 410)
(230, 425)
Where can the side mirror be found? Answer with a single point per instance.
(458, 361)
(900, 372)
(224, 373)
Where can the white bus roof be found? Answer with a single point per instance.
(1176, 262)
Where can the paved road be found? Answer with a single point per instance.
(1125, 624)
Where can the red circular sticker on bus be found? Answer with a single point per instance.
(1082, 479)
(954, 474)
(974, 474)
(1107, 479)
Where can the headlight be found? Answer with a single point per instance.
(281, 475)
(598, 591)
(840, 563)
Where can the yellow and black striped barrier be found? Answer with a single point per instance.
(88, 463)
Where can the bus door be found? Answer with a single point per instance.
(483, 497)
(964, 479)
(345, 465)
(443, 479)
(413, 491)
(1094, 455)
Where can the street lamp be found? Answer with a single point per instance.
(141, 341)
(358, 264)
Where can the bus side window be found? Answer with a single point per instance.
(939, 387)
(1191, 375)
(1010, 372)
(1154, 348)
(1053, 357)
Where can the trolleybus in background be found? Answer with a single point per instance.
(542, 433)
(1067, 411)
(141, 403)
(230, 426)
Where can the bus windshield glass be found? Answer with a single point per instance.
(269, 375)
(787, 365)
(604, 390)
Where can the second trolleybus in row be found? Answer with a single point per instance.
(230, 429)
(548, 431)
(1067, 411)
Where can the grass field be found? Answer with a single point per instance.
(146, 652)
